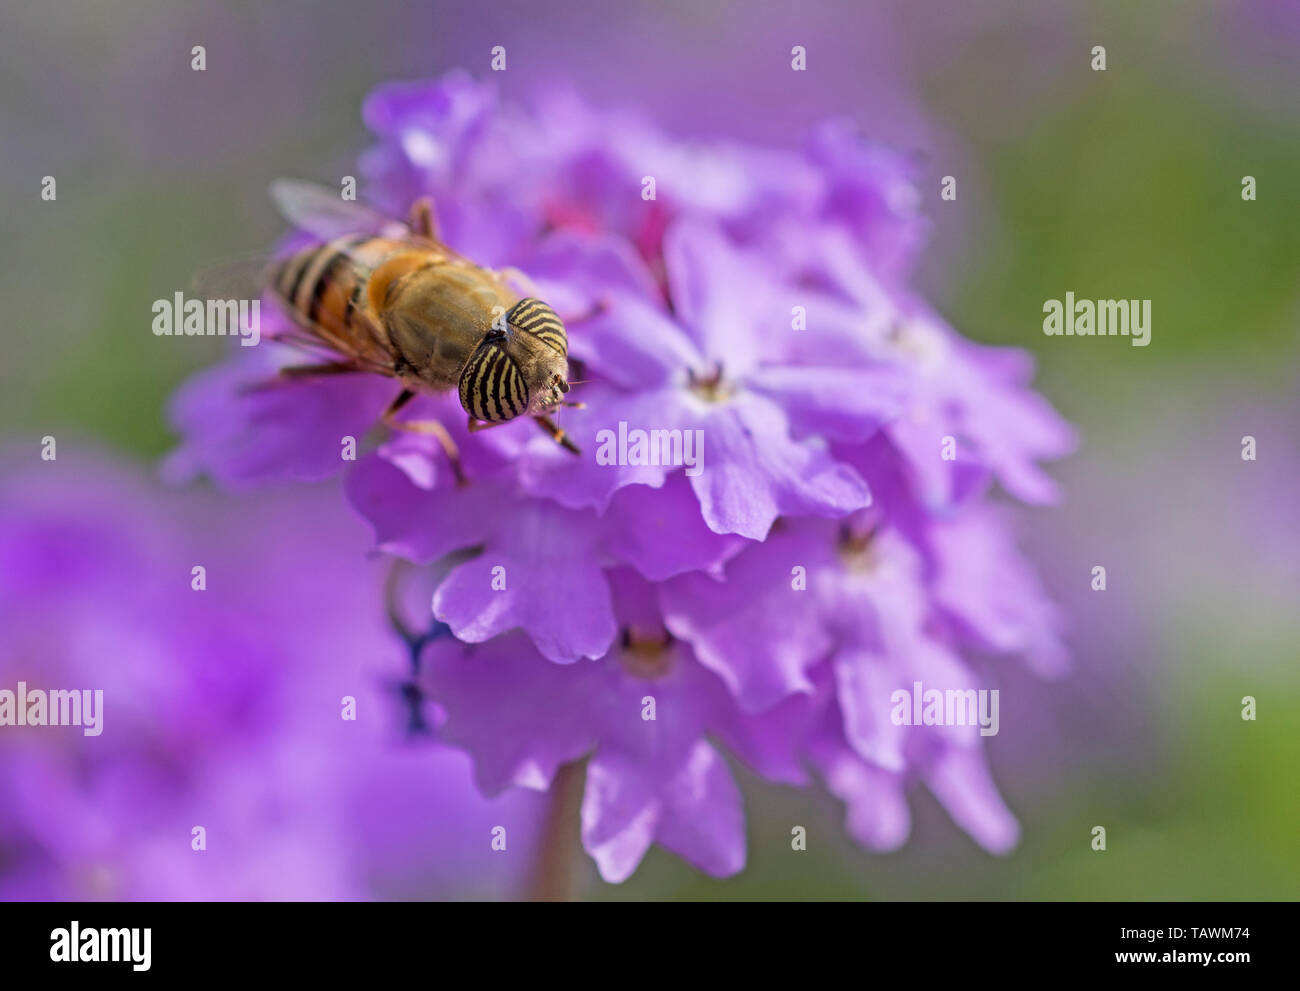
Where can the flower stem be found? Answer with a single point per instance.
(558, 847)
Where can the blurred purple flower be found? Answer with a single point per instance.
(222, 708)
(827, 553)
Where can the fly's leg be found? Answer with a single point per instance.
(432, 428)
(312, 371)
(477, 426)
(557, 434)
(549, 426)
(422, 221)
(292, 373)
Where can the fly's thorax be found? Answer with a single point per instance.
(391, 280)
(435, 316)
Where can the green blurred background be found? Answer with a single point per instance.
(1118, 183)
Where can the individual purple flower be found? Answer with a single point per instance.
(825, 541)
(641, 717)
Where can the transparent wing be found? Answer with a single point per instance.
(240, 278)
(321, 212)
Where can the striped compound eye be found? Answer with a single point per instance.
(491, 386)
(532, 316)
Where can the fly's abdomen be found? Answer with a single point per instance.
(324, 287)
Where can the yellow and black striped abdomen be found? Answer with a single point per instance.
(324, 287)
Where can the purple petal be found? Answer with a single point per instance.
(697, 814)
(660, 532)
(880, 602)
(290, 432)
(774, 742)
(576, 272)
(755, 630)
(620, 815)
(504, 684)
(936, 667)
(991, 591)
(877, 815)
(554, 588)
(940, 482)
(842, 404)
(703, 818)
(447, 106)
(961, 781)
(836, 331)
(864, 683)
(603, 432)
(422, 524)
(635, 345)
(756, 473)
(1014, 429)
(717, 294)
(872, 189)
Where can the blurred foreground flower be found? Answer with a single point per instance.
(830, 545)
(222, 708)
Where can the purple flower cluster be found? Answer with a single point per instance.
(221, 708)
(833, 543)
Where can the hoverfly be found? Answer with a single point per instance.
(389, 298)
